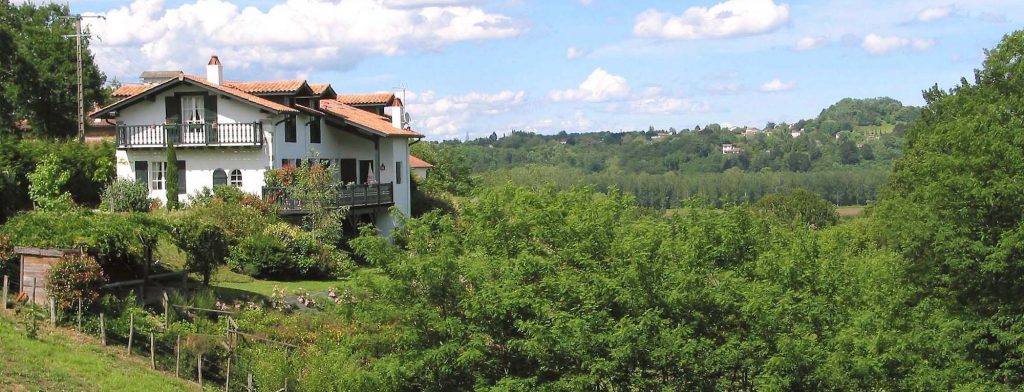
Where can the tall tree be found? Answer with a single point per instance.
(955, 206)
(37, 69)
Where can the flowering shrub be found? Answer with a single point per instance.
(75, 277)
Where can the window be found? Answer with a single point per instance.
(192, 109)
(157, 175)
(289, 130)
(314, 131)
(236, 178)
(219, 177)
(398, 172)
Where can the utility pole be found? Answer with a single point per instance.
(78, 53)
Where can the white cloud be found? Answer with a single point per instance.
(777, 85)
(934, 13)
(574, 53)
(879, 45)
(660, 105)
(598, 87)
(447, 117)
(809, 43)
(586, 2)
(295, 34)
(732, 18)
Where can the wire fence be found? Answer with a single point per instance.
(233, 359)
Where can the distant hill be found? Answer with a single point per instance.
(872, 115)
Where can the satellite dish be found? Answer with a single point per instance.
(406, 119)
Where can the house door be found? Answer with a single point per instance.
(348, 170)
(365, 167)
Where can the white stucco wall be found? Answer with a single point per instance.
(420, 173)
(199, 167)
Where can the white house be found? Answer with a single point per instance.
(230, 132)
(731, 149)
(420, 168)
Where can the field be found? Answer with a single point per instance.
(66, 361)
(850, 211)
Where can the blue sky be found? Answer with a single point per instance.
(477, 66)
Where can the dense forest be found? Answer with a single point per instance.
(842, 155)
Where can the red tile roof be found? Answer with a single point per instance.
(319, 88)
(127, 90)
(417, 163)
(367, 99)
(370, 121)
(242, 95)
(268, 87)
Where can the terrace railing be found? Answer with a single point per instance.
(362, 195)
(190, 135)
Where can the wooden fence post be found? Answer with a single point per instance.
(33, 290)
(227, 375)
(166, 303)
(177, 355)
(6, 285)
(248, 383)
(53, 313)
(103, 331)
(152, 351)
(131, 330)
(79, 314)
(199, 368)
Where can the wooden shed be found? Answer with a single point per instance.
(35, 264)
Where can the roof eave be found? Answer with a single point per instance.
(162, 86)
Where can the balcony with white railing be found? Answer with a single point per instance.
(190, 135)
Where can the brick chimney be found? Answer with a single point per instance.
(214, 71)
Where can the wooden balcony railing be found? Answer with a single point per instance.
(190, 135)
(362, 195)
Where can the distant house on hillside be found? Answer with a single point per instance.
(731, 149)
(420, 168)
(661, 136)
(750, 132)
(231, 132)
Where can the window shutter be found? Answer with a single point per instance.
(289, 130)
(398, 172)
(219, 177)
(142, 172)
(210, 106)
(181, 177)
(172, 105)
(314, 131)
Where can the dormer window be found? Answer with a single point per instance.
(192, 109)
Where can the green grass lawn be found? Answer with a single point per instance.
(233, 284)
(62, 360)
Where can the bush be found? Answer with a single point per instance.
(75, 277)
(284, 252)
(113, 239)
(236, 219)
(126, 196)
(91, 166)
(260, 255)
(801, 206)
(47, 185)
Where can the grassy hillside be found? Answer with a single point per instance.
(65, 361)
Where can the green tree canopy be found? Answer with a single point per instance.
(37, 69)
